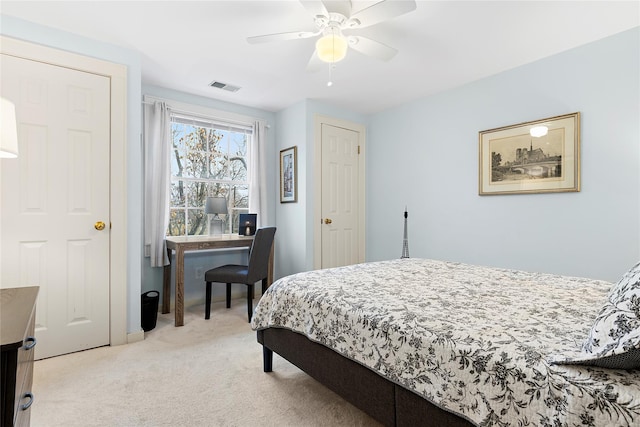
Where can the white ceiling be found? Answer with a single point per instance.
(185, 45)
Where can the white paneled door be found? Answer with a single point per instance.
(54, 219)
(341, 230)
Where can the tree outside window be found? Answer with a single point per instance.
(206, 161)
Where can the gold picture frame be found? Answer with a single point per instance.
(541, 156)
(289, 175)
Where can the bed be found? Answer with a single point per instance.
(427, 342)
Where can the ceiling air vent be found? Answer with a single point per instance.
(224, 86)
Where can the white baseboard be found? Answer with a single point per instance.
(135, 336)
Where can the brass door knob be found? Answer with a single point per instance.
(327, 221)
(99, 225)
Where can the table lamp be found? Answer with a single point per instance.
(216, 206)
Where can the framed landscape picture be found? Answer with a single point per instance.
(542, 156)
(288, 175)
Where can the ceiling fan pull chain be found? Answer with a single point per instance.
(330, 82)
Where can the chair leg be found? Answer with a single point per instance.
(264, 285)
(228, 295)
(207, 303)
(250, 301)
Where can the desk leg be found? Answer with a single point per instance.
(179, 286)
(166, 286)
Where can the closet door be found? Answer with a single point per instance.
(54, 221)
(342, 231)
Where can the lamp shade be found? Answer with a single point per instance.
(8, 129)
(216, 206)
(332, 46)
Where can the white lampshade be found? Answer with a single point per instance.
(538, 131)
(332, 46)
(8, 129)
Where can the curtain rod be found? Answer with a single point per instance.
(178, 111)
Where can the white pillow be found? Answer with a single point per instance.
(614, 339)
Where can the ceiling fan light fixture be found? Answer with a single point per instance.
(332, 46)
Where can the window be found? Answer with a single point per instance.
(208, 158)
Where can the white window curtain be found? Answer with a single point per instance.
(258, 175)
(157, 178)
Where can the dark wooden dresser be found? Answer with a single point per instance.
(17, 324)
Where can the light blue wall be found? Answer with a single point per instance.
(292, 219)
(425, 155)
(194, 286)
(24, 30)
(295, 127)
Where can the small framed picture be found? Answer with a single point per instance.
(542, 156)
(247, 224)
(288, 175)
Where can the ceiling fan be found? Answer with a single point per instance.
(331, 18)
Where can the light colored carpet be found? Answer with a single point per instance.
(206, 373)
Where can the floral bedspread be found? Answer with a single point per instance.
(474, 340)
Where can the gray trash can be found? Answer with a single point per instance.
(149, 313)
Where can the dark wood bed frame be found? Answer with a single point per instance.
(383, 400)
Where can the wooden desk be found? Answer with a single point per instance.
(182, 244)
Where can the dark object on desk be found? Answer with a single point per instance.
(258, 269)
(149, 314)
(247, 224)
(17, 342)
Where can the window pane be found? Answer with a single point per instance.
(238, 168)
(217, 189)
(197, 165)
(199, 138)
(176, 223)
(217, 154)
(237, 152)
(238, 143)
(240, 196)
(226, 223)
(217, 165)
(178, 132)
(223, 151)
(197, 222)
(177, 194)
(196, 194)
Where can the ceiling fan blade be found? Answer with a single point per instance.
(343, 7)
(315, 64)
(282, 36)
(371, 48)
(382, 11)
(315, 7)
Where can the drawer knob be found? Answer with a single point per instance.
(28, 404)
(30, 342)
